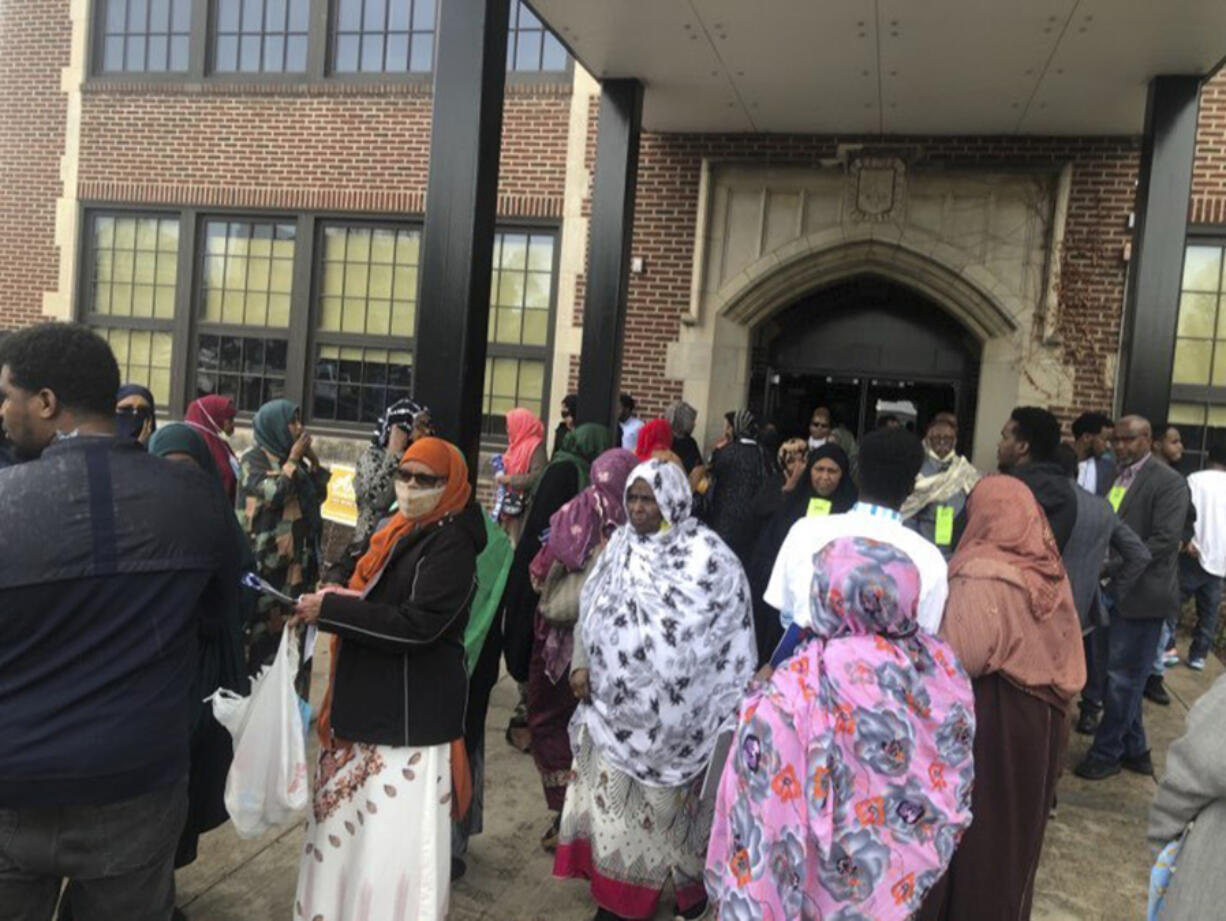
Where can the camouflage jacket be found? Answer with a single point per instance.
(281, 516)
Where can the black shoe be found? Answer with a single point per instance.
(1141, 764)
(1096, 768)
(603, 914)
(1087, 723)
(458, 868)
(178, 914)
(1155, 691)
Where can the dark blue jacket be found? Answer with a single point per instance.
(110, 565)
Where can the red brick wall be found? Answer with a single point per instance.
(1208, 204)
(35, 36)
(1092, 295)
(337, 147)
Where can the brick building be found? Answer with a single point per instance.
(234, 192)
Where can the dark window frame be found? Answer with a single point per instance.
(302, 334)
(322, 15)
(517, 8)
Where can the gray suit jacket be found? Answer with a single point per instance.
(1155, 507)
(1097, 535)
(1105, 477)
(1194, 788)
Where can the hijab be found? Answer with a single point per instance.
(1008, 566)
(581, 447)
(682, 417)
(271, 425)
(870, 724)
(588, 519)
(206, 416)
(180, 438)
(403, 413)
(668, 628)
(656, 435)
(128, 423)
(525, 433)
(744, 426)
(444, 459)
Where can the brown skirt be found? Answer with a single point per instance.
(1019, 751)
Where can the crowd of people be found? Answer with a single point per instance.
(791, 677)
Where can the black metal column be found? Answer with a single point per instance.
(1165, 186)
(461, 204)
(609, 238)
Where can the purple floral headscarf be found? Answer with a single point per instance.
(848, 784)
(591, 516)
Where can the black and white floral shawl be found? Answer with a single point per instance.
(668, 627)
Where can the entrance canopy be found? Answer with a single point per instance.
(973, 67)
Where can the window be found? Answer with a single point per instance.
(246, 285)
(366, 317)
(248, 325)
(144, 36)
(521, 298)
(1198, 376)
(383, 36)
(260, 36)
(530, 46)
(129, 284)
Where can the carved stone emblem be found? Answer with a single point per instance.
(877, 188)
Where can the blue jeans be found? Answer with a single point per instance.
(1194, 582)
(1130, 654)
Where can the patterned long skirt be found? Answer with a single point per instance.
(378, 843)
(629, 839)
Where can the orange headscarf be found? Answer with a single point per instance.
(444, 459)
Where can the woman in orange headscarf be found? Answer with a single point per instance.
(378, 839)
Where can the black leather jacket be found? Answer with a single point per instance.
(400, 676)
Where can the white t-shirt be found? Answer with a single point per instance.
(792, 578)
(630, 433)
(1209, 497)
(1087, 475)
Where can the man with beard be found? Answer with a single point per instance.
(1027, 450)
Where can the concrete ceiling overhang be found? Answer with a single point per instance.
(914, 67)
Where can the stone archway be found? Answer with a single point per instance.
(976, 244)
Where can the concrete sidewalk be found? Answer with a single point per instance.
(1095, 862)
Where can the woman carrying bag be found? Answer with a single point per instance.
(577, 534)
(392, 769)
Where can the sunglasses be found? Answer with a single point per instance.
(427, 480)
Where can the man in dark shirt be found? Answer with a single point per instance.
(1027, 450)
(110, 563)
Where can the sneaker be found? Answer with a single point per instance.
(1197, 664)
(1155, 691)
(1170, 657)
(1087, 723)
(1092, 768)
(1141, 764)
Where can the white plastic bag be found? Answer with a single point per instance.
(267, 784)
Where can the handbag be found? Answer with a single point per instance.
(560, 594)
(513, 503)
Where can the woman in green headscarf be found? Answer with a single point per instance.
(564, 478)
(219, 662)
(281, 488)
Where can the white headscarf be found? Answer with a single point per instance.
(668, 626)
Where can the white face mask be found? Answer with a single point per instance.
(414, 503)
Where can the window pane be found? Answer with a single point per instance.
(346, 54)
(528, 51)
(112, 53)
(116, 14)
(372, 53)
(370, 268)
(349, 15)
(354, 384)
(143, 357)
(296, 54)
(554, 55)
(1196, 315)
(159, 16)
(255, 36)
(373, 16)
(125, 249)
(397, 53)
(227, 15)
(250, 288)
(399, 17)
(225, 57)
(1192, 359)
(250, 370)
(1202, 268)
(421, 52)
(249, 54)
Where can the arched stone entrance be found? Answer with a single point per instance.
(976, 246)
